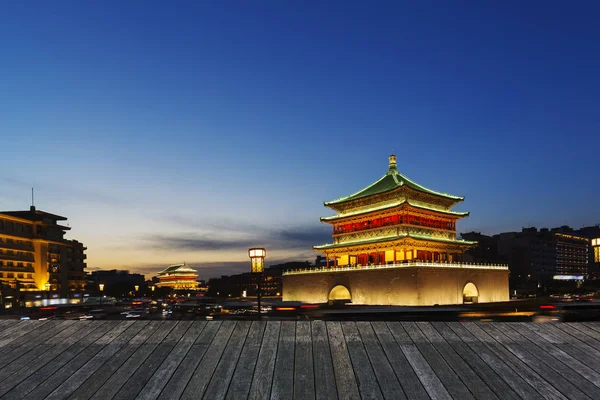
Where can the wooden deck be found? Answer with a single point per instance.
(300, 360)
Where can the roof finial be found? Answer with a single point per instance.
(392, 162)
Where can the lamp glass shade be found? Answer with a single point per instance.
(101, 286)
(257, 252)
(257, 257)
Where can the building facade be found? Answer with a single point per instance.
(34, 255)
(178, 276)
(541, 256)
(396, 232)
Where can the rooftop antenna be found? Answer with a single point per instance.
(32, 202)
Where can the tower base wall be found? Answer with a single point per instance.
(423, 286)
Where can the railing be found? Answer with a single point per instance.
(344, 268)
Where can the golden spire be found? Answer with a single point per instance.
(392, 162)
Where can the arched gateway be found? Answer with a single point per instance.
(470, 293)
(340, 293)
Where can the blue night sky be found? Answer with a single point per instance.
(192, 130)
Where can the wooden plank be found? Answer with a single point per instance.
(567, 343)
(239, 388)
(386, 377)
(487, 374)
(41, 348)
(498, 364)
(144, 372)
(593, 325)
(541, 385)
(367, 382)
(39, 333)
(475, 384)
(581, 334)
(346, 384)
(44, 389)
(430, 381)
(17, 372)
(31, 348)
(323, 365)
(110, 388)
(160, 378)
(190, 362)
(564, 370)
(6, 323)
(18, 330)
(53, 360)
(93, 383)
(407, 377)
(283, 377)
(304, 377)
(538, 365)
(447, 376)
(74, 381)
(201, 377)
(583, 328)
(221, 378)
(571, 362)
(265, 365)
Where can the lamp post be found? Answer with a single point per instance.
(137, 288)
(257, 258)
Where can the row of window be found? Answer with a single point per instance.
(12, 275)
(15, 227)
(395, 220)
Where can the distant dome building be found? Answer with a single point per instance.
(178, 276)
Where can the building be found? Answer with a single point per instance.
(237, 285)
(540, 256)
(593, 234)
(114, 282)
(394, 242)
(178, 276)
(34, 254)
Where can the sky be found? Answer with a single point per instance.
(192, 130)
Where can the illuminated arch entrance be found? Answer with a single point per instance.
(340, 293)
(470, 293)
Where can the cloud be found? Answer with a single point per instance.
(193, 242)
(301, 238)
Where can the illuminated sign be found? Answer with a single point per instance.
(568, 277)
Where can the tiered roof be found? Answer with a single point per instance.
(178, 268)
(371, 202)
(390, 181)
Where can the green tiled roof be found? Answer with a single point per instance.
(392, 180)
(175, 267)
(391, 238)
(396, 204)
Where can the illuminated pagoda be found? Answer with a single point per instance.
(178, 276)
(394, 242)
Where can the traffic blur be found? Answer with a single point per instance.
(552, 309)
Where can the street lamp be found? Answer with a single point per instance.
(137, 288)
(257, 258)
(101, 287)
